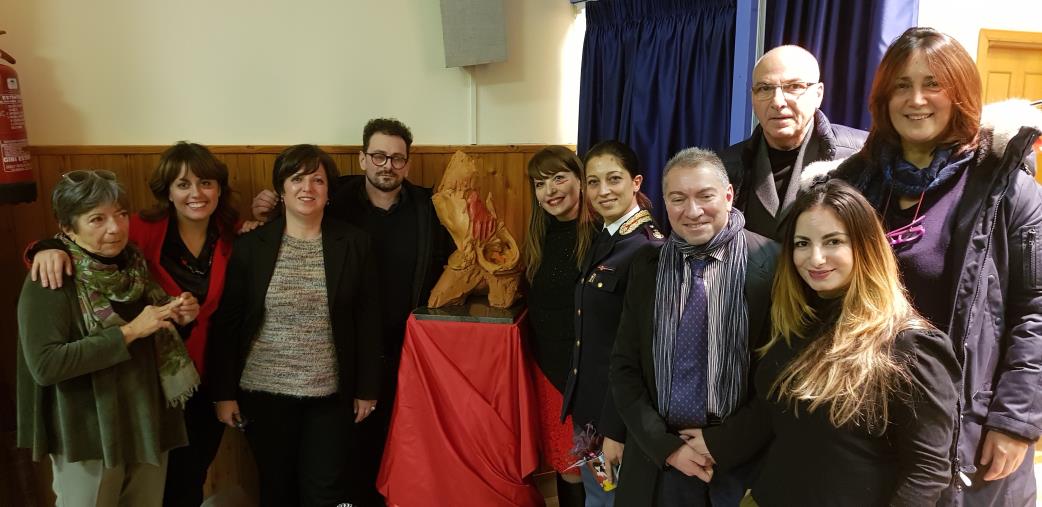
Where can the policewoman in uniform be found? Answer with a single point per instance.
(613, 178)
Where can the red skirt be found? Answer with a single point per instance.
(555, 439)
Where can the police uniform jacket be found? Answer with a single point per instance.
(598, 305)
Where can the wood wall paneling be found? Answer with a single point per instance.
(501, 172)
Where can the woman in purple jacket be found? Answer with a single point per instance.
(963, 215)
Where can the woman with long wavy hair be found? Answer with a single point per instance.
(855, 391)
(559, 233)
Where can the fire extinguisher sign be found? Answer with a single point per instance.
(13, 152)
(11, 110)
(15, 156)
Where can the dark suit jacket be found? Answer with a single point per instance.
(649, 442)
(598, 300)
(434, 246)
(750, 172)
(353, 308)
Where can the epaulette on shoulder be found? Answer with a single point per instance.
(640, 219)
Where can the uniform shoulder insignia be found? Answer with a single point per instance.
(642, 217)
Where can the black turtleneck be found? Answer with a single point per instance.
(906, 465)
(782, 162)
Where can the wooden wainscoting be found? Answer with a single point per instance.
(501, 168)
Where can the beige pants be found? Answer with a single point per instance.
(90, 484)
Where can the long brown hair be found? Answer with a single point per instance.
(197, 159)
(953, 68)
(545, 163)
(850, 369)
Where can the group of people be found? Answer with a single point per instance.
(865, 336)
(836, 317)
(142, 337)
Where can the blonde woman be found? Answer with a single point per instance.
(856, 398)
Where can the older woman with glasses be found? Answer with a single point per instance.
(963, 216)
(102, 371)
(297, 355)
(186, 240)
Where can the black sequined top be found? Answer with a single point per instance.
(551, 302)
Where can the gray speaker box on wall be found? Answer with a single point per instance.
(473, 31)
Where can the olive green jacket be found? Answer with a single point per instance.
(87, 397)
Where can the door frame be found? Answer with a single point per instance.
(1009, 39)
(1003, 38)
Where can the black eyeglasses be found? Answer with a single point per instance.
(380, 160)
(81, 175)
(792, 90)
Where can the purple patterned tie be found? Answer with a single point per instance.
(688, 392)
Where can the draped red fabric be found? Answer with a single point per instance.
(464, 430)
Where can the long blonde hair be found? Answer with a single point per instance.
(851, 368)
(545, 163)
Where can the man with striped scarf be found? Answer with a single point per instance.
(695, 309)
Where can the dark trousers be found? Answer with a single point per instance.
(367, 448)
(677, 489)
(187, 466)
(300, 447)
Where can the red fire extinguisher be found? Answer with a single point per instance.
(16, 175)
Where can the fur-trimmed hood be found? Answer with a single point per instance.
(1003, 120)
(1006, 118)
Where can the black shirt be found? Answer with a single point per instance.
(394, 233)
(551, 302)
(782, 162)
(811, 462)
(191, 273)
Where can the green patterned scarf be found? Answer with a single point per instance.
(98, 284)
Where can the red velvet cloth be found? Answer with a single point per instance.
(464, 430)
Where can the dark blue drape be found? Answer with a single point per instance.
(849, 39)
(656, 75)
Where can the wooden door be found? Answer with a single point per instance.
(1010, 65)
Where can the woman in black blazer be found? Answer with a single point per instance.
(295, 355)
(612, 183)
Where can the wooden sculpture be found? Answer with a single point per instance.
(487, 257)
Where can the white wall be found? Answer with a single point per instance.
(131, 72)
(964, 19)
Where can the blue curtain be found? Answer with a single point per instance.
(656, 75)
(849, 39)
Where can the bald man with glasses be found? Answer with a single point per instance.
(792, 133)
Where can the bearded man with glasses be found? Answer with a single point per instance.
(792, 133)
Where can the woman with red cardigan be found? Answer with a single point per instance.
(186, 240)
